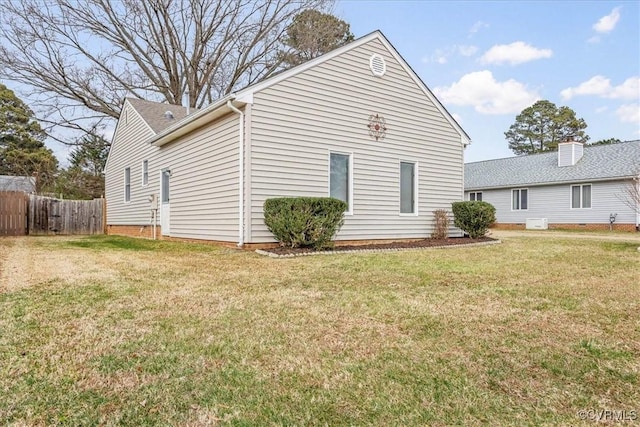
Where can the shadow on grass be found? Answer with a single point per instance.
(107, 242)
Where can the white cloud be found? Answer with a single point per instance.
(441, 56)
(594, 39)
(630, 89)
(488, 96)
(607, 23)
(629, 113)
(441, 59)
(477, 27)
(514, 53)
(601, 86)
(467, 50)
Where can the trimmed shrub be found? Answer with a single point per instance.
(441, 227)
(474, 218)
(304, 221)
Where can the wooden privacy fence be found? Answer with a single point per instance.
(54, 216)
(13, 213)
(22, 214)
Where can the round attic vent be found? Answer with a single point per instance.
(377, 65)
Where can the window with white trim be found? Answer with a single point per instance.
(340, 178)
(475, 196)
(581, 196)
(127, 184)
(519, 199)
(145, 173)
(407, 188)
(166, 175)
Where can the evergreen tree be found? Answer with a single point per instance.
(22, 148)
(313, 33)
(540, 127)
(84, 178)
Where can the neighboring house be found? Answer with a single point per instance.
(576, 187)
(26, 184)
(356, 123)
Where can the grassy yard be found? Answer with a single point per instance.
(116, 331)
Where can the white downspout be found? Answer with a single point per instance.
(638, 203)
(241, 172)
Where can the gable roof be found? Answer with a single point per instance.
(18, 183)
(244, 96)
(598, 163)
(155, 113)
(375, 35)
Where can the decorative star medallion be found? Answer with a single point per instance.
(377, 126)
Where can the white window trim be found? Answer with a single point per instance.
(124, 187)
(160, 195)
(520, 199)
(344, 153)
(571, 196)
(480, 192)
(144, 184)
(415, 188)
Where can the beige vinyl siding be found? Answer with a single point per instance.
(298, 121)
(128, 150)
(204, 181)
(554, 203)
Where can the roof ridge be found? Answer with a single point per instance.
(586, 146)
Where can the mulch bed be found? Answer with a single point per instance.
(424, 243)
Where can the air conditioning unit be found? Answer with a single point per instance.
(537, 224)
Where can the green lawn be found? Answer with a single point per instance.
(116, 331)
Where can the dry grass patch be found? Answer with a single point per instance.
(109, 330)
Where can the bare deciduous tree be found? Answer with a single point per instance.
(90, 54)
(631, 195)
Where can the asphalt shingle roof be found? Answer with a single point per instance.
(598, 162)
(154, 113)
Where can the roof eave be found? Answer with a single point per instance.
(544, 184)
(195, 121)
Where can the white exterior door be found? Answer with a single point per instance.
(165, 210)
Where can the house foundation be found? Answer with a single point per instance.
(558, 226)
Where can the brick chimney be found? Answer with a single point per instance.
(569, 152)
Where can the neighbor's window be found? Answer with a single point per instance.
(145, 173)
(340, 177)
(127, 184)
(475, 196)
(519, 199)
(581, 196)
(407, 187)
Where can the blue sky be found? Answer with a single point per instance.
(488, 60)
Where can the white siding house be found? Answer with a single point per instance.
(577, 187)
(356, 123)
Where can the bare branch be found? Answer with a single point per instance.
(93, 53)
(631, 195)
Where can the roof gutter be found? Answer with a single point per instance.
(241, 172)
